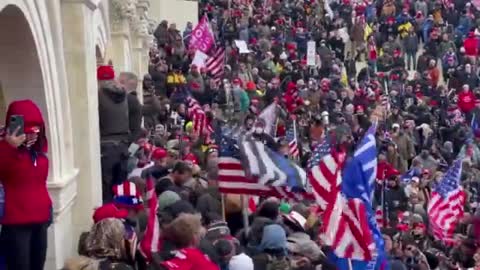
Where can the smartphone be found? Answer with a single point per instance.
(133, 148)
(16, 121)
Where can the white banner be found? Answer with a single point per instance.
(242, 46)
(199, 59)
(311, 52)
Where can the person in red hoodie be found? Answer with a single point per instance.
(471, 47)
(466, 101)
(23, 173)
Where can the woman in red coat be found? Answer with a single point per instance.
(23, 173)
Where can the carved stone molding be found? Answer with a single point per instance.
(123, 10)
(134, 15)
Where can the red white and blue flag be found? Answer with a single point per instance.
(151, 240)
(445, 208)
(291, 138)
(356, 235)
(201, 125)
(215, 64)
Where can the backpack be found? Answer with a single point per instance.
(278, 263)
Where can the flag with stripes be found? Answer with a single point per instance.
(446, 204)
(323, 173)
(291, 138)
(215, 64)
(128, 189)
(269, 167)
(201, 125)
(379, 216)
(361, 235)
(151, 239)
(232, 177)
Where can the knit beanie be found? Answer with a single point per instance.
(166, 199)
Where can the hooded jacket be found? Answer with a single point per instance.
(466, 101)
(23, 172)
(471, 45)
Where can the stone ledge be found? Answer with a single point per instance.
(91, 4)
(63, 193)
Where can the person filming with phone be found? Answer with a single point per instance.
(23, 173)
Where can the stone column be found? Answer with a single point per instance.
(79, 30)
(123, 13)
(137, 68)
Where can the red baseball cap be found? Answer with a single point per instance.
(191, 158)
(159, 153)
(109, 211)
(105, 73)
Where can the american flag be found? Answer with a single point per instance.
(291, 137)
(215, 64)
(232, 177)
(446, 205)
(346, 228)
(151, 240)
(351, 225)
(320, 150)
(200, 121)
(322, 173)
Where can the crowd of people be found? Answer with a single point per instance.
(411, 67)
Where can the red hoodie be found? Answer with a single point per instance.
(385, 170)
(25, 180)
(466, 101)
(471, 46)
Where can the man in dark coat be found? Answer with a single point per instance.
(129, 81)
(115, 132)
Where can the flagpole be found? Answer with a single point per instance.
(384, 182)
(295, 136)
(224, 214)
(244, 212)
